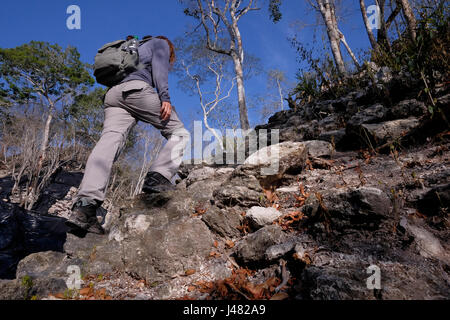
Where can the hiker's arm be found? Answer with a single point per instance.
(160, 69)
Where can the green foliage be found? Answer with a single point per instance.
(320, 77)
(85, 115)
(429, 55)
(27, 283)
(308, 86)
(71, 293)
(427, 58)
(42, 69)
(274, 10)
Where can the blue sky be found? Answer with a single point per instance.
(103, 21)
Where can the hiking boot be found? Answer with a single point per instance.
(155, 182)
(95, 226)
(83, 216)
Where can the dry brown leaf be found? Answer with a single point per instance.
(255, 290)
(191, 288)
(229, 244)
(280, 296)
(85, 291)
(272, 282)
(222, 288)
(214, 254)
(270, 195)
(189, 272)
(101, 292)
(59, 296)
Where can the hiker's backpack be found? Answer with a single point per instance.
(115, 60)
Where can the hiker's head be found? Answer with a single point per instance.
(172, 50)
(130, 37)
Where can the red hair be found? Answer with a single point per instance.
(172, 50)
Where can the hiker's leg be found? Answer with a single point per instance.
(169, 158)
(143, 102)
(118, 122)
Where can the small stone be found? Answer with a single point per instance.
(260, 216)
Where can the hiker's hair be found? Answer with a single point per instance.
(130, 37)
(172, 48)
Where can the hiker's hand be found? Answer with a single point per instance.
(166, 109)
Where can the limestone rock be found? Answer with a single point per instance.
(222, 222)
(162, 252)
(390, 130)
(252, 249)
(261, 216)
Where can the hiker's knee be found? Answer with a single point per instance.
(180, 132)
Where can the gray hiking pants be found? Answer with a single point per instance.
(125, 104)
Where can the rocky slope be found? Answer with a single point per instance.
(363, 181)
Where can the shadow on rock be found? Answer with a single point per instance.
(23, 233)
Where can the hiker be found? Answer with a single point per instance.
(142, 95)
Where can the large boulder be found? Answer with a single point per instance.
(427, 244)
(389, 130)
(261, 170)
(252, 249)
(239, 190)
(47, 272)
(23, 233)
(318, 148)
(358, 208)
(338, 276)
(372, 114)
(407, 108)
(276, 159)
(157, 254)
(270, 163)
(223, 222)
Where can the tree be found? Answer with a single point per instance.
(277, 79)
(45, 73)
(85, 117)
(335, 36)
(409, 16)
(382, 40)
(372, 39)
(277, 90)
(220, 18)
(207, 74)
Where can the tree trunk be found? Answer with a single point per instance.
(372, 39)
(280, 93)
(409, 16)
(42, 156)
(333, 34)
(238, 59)
(382, 38)
(243, 115)
(397, 29)
(350, 52)
(45, 137)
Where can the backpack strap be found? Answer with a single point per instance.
(141, 42)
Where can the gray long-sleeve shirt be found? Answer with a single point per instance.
(154, 56)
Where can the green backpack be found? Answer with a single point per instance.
(115, 60)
